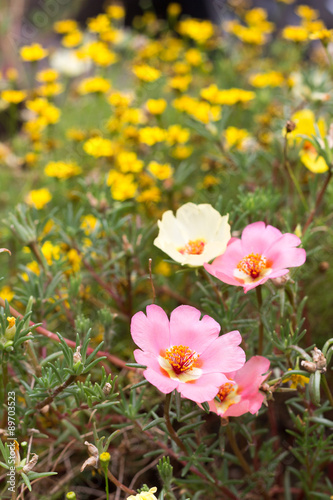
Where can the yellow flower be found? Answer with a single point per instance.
(47, 112)
(209, 181)
(75, 134)
(152, 135)
(156, 106)
(38, 198)
(200, 31)
(193, 57)
(313, 162)
(306, 12)
(144, 495)
(88, 224)
(13, 96)
(50, 89)
(123, 186)
(174, 9)
(98, 147)
(177, 135)
(74, 260)
(48, 75)
(227, 97)
(152, 194)
(181, 152)
(305, 125)
(6, 293)
(146, 73)
(30, 158)
(65, 26)
(180, 82)
(99, 24)
(72, 39)
(270, 79)
(160, 171)
(51, 252)
(128, 161)
(204, 112)
(295, 33)
(115, 11)
(62, 170)
(297, 380)
(33, 267)
(235, 137)
(119, 99)
(33, 52)
(93, 84)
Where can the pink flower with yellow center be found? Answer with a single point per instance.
(196, 234)
(241, 393)
(262, 253)
(185, 353)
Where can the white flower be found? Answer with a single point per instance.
(197, 234)
(67, 63)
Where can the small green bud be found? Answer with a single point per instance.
(8, 346)
(165, 470)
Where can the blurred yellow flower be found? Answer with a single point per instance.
(33, 52)
(269, 79)
(72, 39)
(99, 24)
(88, 224)
(152, 135)
(93, 84)
(47, 75)
(160, 171)
(51, 252)
(198, 30)
(295, 33)
(98, 147)
(152, 194)
(115, 11)
(6, 293)
(65, 26)
(62, 170)
(297, 380)
(235, 137)
(38, 198)
(156, 106)
(146, 73)
(13, 96)
(177, 135)
(123, 186)
(128, 161)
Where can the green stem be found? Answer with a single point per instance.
(174, 436)
(261, 325)
(318, 200)
(327, 389)
(291, 173)
(106, 483)
(237, 451)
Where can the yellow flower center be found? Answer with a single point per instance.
(252, 265)
(193, 247)
(224, 391)
(181, 358)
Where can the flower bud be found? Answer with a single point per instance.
(11, 328)
(105, 458)
(77, 358)
(31, 464)
(309, 366)
(107, 389)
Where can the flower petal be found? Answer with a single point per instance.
(151, 333)
(187, 329)
(223, 355)
(203, 389)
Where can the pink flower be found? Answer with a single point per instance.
(185, 353)
(262, 253)
(241, 393)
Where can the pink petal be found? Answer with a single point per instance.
(203, 389)
(237, 409)
(151, 333)
(162, 382)
(250, 377)
(187, 329)
(283, 255)
(257, 237)
(223, 355)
